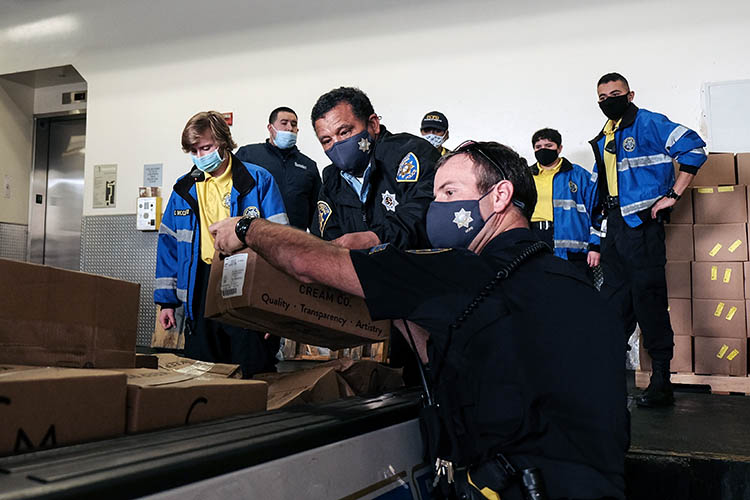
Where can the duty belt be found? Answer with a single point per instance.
(544, 225)
(612, 202)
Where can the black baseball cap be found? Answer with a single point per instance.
(434, 119)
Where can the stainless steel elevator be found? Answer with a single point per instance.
(56, 204)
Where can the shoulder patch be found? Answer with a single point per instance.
(252, 212)
(378, 248)
(408, 169)
(324, 213)
(628, 144)
(428, 251)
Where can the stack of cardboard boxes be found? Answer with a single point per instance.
(707, 268)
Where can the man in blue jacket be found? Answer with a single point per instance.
(637, 189)
(218, 186)
(566, 200)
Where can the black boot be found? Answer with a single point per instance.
(659, 391)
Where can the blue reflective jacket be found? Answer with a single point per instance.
(178, 250)
(646, 143)
(574, 199)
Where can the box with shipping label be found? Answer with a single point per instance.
(678, 239)
(719, 318)
(42, 407)
(720, 356)
(682, 212)
(682, 360)
(314, 385)
(718, 280)
(56, 317)
(681, 316)
(247, 291)
(720, 242)
(678, 279)
(165, 398)
(743, 168)
(716, 171)
(187, 366)
(720, 204)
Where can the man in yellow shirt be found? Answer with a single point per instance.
(218, 186)
(566, 197)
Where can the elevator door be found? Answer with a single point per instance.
(57, 199)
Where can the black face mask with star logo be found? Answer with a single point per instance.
(352, 155)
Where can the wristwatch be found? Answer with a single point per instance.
(240, 229)
(673, 194)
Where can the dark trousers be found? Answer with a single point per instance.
(578, 259)
(635, 283)
(209, 340)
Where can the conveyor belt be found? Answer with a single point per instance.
(133, 466)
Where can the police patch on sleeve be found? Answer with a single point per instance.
(324, 213)
(428, 251)
(378, 248)
(408, 169)
(251, 212)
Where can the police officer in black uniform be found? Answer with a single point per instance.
(379, 184)
(525, 363)
(296, 175)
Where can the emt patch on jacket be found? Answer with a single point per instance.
(408, 169)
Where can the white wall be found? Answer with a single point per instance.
(498, 70)
(16, 130)
(49, 99)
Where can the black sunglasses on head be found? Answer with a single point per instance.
(470, 145)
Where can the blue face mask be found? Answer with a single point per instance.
(209, 162)
(353, 154)
(284, 139)
(454, 224)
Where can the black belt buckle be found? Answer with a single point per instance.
(612, 202)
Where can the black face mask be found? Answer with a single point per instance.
(614, 107)
(545, 156)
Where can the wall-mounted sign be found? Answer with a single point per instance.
(152, 174)
(105, 183)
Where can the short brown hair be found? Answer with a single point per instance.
(207, 120)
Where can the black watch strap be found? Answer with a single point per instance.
(673, 194)
(240, 229)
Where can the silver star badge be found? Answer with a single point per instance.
(389, 201)
(364, 144)
(462, 218)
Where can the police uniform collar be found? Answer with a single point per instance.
(507, 245)
(383, 134)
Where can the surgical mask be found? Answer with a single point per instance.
(209, 162)
(353, 154)
(434, 139)
(545, 156)
(614, 107)
(454, 224)
(284, 139)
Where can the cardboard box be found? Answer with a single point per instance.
(187, 366)
(718, 280)
(315, 385)
(682, 212)
(720, 204)
(743, 168)
(41, 407)
(146, 361)
(165, 398)
(679, 241)
(721, 356)
(55, 317)
(719, 318)
(682, 360)
(746, 268)
(681, 316)
(718, 170)
(368, 377)
(720, 242)
(255, 295)
(678, 279)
